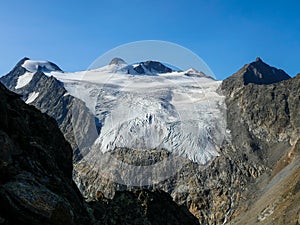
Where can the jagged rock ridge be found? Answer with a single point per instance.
(256, 72)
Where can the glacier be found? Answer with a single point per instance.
(173, 111)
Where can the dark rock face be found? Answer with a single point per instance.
(264, 123)
(256, 72)
(10, 80)
(153, 67)
(211, 192)
(264, 118)
(142, 207)
(45, 69)
(36, 168)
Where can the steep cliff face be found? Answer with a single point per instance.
(263, 119)
(36, 168)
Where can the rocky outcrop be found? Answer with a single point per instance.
(10, 80)
(211, 192)
(151, 67)
(274, 198)
(36, 168)
(263, 119)
(264, 123)
(256, 72)
(117, 61)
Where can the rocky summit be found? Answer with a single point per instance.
(151, 67)
(248, 176)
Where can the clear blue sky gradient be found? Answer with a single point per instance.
(225, 34)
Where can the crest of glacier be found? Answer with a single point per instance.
(181, 114)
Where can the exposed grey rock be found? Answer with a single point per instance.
(195, 73)
(264, 118)
(264, 123)
(10, 80)
(256, 72)
(153, 67)
(36, 168)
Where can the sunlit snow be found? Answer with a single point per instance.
(33, 66)
(24, 80)
(171, 111)
(31, 97)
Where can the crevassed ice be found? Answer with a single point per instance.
(181, 114)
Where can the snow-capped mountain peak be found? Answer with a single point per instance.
(119, 66)
(116, 66)
(117, 61)
(196, 73)
(40, 66)
(151, 68)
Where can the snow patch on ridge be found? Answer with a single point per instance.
(31, 97)
(24, 79)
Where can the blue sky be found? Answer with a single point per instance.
(225, 34)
